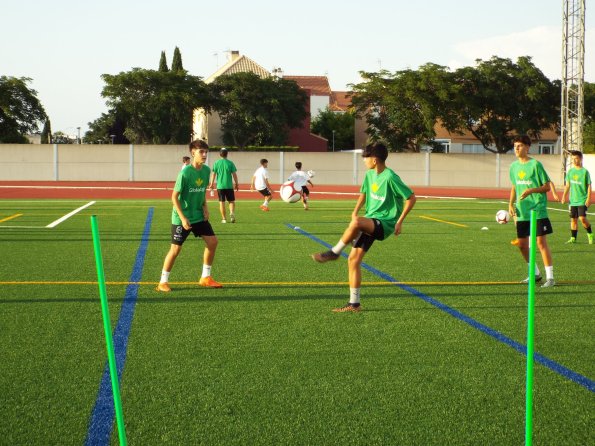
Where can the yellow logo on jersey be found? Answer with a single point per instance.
(575, 177)
(374, 187)
(522, 174)
(198, 182)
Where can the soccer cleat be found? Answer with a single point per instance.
(224, 221)
(571, 241)
(209, 282)
(549, 283)
(515, 242)
(590, 236)
(163, 287)
(353, 308)
(264, 208)
(232, 218)
(537, 279)
(325, 256)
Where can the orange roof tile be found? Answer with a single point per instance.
(318, 85)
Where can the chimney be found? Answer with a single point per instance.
(234, 55)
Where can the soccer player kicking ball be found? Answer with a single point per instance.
(190, 214)
(387, 202)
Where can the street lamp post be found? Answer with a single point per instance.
(78, 141)
(333, 140)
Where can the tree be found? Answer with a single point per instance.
(157, 106)
(46, 133)
(108, 124)
(176, 64)
(338, 126)
(163, 63)
(499, 99)
(589, 115)
(401, 109)
(258, 111)
(20, 110)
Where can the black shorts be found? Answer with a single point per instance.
(305, 191)
(226, 194)
(179, 234)
(265, 192)
(523, 228)
(365, 241)
(578, 211)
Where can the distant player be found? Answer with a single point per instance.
(260, 182)
(301, 179)
(578, 183)
(191, 215)
(185, 161)
(530, 184)
(387, 202)
(224, 174)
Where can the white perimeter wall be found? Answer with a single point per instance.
(73, 162)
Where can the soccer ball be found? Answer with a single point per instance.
(311, 173)
(289, 193)
(502, 217)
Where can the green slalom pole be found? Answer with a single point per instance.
(530, 332)
(111, 355)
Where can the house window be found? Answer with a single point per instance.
(546, 149)
(442, 146)
(473, 148)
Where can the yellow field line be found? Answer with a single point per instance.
(10, 218)
(443, 221)
(443, 283)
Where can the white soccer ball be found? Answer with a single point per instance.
(311, 173)
(289, 193)
(502, 217)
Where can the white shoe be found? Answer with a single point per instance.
(232, 218)
(549, 283)
(224, 221)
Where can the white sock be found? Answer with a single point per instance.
(354, 295)
(206, 270)
(537, 273)
(339, 247)
(549, 272)
(265, 204)
(164, 277)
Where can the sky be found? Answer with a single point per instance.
(65, 46)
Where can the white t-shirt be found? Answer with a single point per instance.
(259, 178)
(299, 177)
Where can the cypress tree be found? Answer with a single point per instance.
(176, 64)
(163, 63)
(46, 133)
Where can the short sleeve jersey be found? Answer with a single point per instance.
(385, 195)
(526, 176)
(191, 184)
(224, 168)
(299, 177)
(579, 180)
(260, 175)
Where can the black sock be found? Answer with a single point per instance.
(574, 232)
(588, 229)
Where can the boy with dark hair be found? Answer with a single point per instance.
(387, 202)
(260, 182)
(301, 179)
(578, 183)
(224, 174)
(530, 183)
(190, 214)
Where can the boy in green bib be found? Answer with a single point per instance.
(530, 183)
(578, 183)
(387, 202)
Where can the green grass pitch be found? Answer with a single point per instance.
(264, 360)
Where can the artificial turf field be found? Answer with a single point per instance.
(263, 360)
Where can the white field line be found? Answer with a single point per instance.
(67, 216)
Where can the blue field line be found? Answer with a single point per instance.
(539, 358)
(102, 418)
